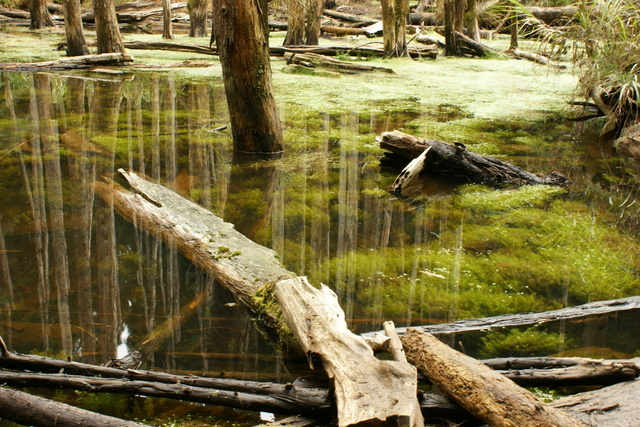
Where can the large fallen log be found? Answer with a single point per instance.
(617, 405)
(483, 392)
(313, 60)
(318, 322)
(27, 409)
(250, 271)
(71, 63)
(454, 163)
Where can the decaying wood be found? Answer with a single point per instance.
(525, 319)
(564, 371)
(483, 392)
(362, 382)
(172, 46)
(457, 164)
(617, 405)
(27, 409)
(71, 63)
(361, 20)
(534, 57)
(470, 46)
(238, 264)
(314, 60)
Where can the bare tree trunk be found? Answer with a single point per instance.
(394, 21)
(76, 43)
(473, 30)
(295, 20)
(107, 31)
(458, 20)
(167, 30)
(312, 29)
(198, 18)
(40, 17)
(240, 34)
(451, 44)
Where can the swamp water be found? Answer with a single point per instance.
(77, 280)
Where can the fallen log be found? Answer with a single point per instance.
(486, 394)
(526, 319)
(71, 63)
(361, 20)
(251, 272)
(472, 47)
(617, 405)
(27, 409)
(560, 15)
(172, 46)
(313, 60)
(318, 322)
(428, 19)
(534, 57)
(454, 163)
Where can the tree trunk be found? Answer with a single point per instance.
(240, 32)
(107, 31)
(473, 29)
(32, 410)
(76, 43)
(167, 30)
(394, 21)
(451, 43)
(295, 30)
(483, 392)
(458, 16)
(198, 18)
(40, 17)
(312, 28)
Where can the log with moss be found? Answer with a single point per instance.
(251, 271)
(71, 63)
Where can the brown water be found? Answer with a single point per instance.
(77, 280)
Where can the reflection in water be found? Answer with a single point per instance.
(77, 279)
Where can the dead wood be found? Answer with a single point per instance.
(362, 383)
(176, 47)
(361, 20)
(617, 405)
(472, 47)
(534, 57)
(71, 63)
(454, 163)
(553, 15)
(27, 409)
(314, 60)
(428, 19)
(525, 319)
(483, 392)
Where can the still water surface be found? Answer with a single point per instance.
(78, 280)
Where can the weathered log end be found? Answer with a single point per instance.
(368, 391)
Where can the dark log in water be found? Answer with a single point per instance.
(363, 384)
(483, 392)
(71, 63)
(26, 409)
(454, 163)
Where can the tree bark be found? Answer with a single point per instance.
(76, 43)
(312, 28)
(240, 32)
(167, 29)
(483, 392)
(295, 21)
(107, 31)
(451, 43)
(198, 17)
(24, 408)
(40, 17)
(72, 63)
(362, 383)
(471, 18)
(313, 60)
(394, 33)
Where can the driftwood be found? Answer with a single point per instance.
(454, 163)
(483, 392)
(71, 63)
(313, 60)
(525, 319)
(318, 322)
(534, 57)
(24, 408)
(250, 271)
(617, 405)
(360, 20)
(172, 46)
